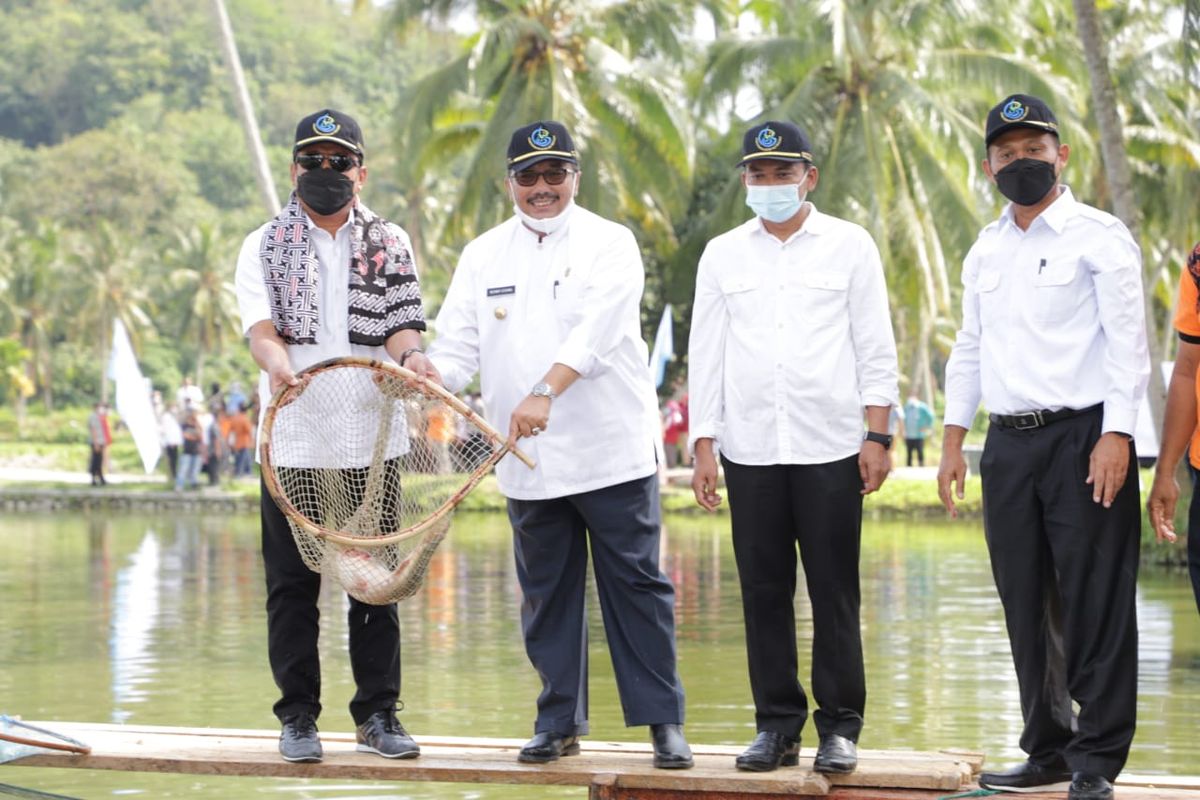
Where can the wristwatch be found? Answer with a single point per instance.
(543, 390)
(879, 438)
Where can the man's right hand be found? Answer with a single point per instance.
(704, 476)
(1164, 494)
(281, 376)
(952, 471)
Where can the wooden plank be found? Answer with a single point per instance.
(612, 770)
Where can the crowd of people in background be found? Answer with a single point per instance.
(206, 437)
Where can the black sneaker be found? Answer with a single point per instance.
(383, 735)
(1028, 777)
(299, 740)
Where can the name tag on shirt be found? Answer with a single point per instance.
(497, 291)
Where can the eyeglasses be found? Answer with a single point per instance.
(553, 177)
(338, 161)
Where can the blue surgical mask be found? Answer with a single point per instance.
(775, 203)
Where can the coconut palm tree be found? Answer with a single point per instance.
(608, 70)
(202, 304)
(893, 94)
(36, 277)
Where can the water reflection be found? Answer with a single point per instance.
(161, 621)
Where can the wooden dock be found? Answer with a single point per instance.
(611, 770)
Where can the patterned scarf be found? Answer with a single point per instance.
(384, 294)
(1193, 268)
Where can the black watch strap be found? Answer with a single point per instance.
(879, 438)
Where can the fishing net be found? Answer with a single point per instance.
(367, 462)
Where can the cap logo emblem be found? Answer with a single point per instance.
(326, 125)
(767, 139)
(542, 139)
(1014, 111)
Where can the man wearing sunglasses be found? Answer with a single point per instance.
(323, 279)
(545, 307)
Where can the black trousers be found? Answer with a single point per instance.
(637, 602)
(293, 625)
(916, 446)
(816, 509)
(1066, 570)
(1193, 536)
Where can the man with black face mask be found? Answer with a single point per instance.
(323, 279)
(1053, 342)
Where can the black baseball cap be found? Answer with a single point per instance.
(1019, 111)
(540, 141)
(782, 141)
(328, 125)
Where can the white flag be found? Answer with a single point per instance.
(133, 398)
(664, 347)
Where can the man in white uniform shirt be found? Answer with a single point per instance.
(791, 343)
(327, 278)
(1053, 342)
(545, 307)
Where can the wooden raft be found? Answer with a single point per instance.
(611, 770)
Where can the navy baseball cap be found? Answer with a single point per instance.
(782, 141)
(538, 142)
(1019, 111)
(328, 125)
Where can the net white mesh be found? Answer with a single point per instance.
(367, 465)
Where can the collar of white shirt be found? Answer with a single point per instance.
(1056, 215)
(815, 223)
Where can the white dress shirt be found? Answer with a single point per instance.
(1052, 318)
(333, 341)
(789, 341)
(514, 308)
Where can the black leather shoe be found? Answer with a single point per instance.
(769, 751)
(1089, 787)
(383, 735)
(547, 746)
(299, 740)
(836, 754)
(1028, 777)
(671, 750)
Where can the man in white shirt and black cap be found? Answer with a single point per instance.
(791, 345)
(327, 278)
(1053, 342)
(545, 307)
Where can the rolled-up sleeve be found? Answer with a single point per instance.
(706, 355)
(611, 293)
(1117, 272)
(871, 329)
(963, 389)
(249, 285)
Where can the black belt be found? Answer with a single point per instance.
(1038, 419)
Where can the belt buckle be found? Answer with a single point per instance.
(1034, 418)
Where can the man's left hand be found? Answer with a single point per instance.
(1108, 467)
(874, 464)
(419, 363)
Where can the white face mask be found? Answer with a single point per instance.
(775, 203)
(547, 225)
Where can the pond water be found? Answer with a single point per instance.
(160, 621)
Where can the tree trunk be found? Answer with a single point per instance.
(1118, 175)
(262, 170)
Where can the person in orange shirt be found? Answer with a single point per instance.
(1181, 431)
(241, 438)
(441, 433)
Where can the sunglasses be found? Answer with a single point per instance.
(338, 162)
(553, 177)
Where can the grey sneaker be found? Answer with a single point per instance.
(383, 735)
(299, 740)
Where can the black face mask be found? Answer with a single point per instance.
(325, 191)
(1026, 180)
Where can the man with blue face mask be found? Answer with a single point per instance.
(791, 346)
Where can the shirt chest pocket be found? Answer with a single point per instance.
(990, 306)
(1056, 291)
(824, 299)
(741, 295)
